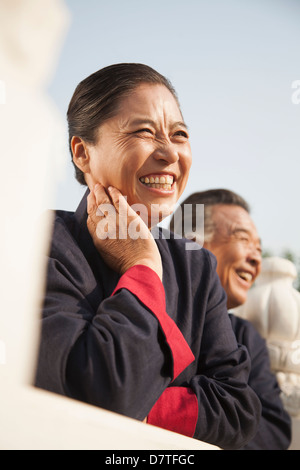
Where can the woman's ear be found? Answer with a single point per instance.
(80, 153)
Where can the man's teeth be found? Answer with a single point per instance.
(158, 182)
(246, 276)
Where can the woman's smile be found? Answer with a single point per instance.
(162, 182)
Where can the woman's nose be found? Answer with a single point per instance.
(167, 152)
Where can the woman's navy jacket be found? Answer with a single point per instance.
(141, 347)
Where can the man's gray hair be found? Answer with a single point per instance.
(209, 199)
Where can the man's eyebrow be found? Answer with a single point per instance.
(241, 229)
(245, 230)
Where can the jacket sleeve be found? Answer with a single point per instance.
(274, 431)
(119, 356)
(216, 405)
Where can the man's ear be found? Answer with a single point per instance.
(80, 153)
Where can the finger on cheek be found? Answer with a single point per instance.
(91, 203)
(101, 195)
(115, 196)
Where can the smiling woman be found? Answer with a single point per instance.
(132, 324)
(150, 145)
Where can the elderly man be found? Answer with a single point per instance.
(230, 234)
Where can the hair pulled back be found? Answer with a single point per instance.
(98, 96)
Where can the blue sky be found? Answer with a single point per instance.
(232, 63)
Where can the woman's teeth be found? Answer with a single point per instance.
(158, 182)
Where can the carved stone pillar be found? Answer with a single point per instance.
(273, 306)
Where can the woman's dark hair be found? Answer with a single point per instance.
(98, 96)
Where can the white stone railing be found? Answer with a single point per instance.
(273, 306)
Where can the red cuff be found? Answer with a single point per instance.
(146, 285)
(176, 410)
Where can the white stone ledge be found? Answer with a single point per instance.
(33, 419)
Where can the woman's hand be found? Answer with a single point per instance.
(112, 224)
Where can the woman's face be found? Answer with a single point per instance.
(144, 150)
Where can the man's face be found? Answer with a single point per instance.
(237, 248)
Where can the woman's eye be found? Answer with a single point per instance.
(182, 134)
(140, 131)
